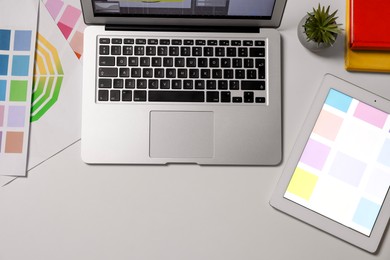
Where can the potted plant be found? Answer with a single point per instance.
(318, 30)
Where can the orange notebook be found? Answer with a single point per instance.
(370, 24)
(370, 61)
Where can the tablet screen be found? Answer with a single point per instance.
(344, 170)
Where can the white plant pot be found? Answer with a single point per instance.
(310, 45)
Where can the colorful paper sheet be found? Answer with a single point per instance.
(17, 42)
(56, 98)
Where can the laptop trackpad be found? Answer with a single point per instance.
(181, 134)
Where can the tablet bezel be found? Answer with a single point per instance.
(278, 201)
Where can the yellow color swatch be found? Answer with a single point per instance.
(302, 184)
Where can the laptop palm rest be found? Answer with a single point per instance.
(181, 134)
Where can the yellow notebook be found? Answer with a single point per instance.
(371, 61)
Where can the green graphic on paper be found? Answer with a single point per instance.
(47, 79)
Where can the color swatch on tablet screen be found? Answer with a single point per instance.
(344, 170)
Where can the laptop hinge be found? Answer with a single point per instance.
(164, 28)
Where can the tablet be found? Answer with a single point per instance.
(337, 177)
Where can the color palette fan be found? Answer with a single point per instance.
(70, 22)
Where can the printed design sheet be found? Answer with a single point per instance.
(17, 46)
(56, 94)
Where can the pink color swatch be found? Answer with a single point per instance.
(66, 30)
(70, 16)
(77, 43)
(370, 115)
(328, 125)
(54, 7)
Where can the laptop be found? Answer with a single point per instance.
(182, 81)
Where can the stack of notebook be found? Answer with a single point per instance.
(368, 36)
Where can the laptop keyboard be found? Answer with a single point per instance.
(135, 70)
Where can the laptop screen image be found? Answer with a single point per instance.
(249, 9)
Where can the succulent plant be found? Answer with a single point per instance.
(321, 27)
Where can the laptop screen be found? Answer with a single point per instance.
(242, 9)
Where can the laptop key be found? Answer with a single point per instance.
(116, 41)
(118, 83)
(176, 84)
(106, 61)
(140, 41)
(257, 52)
(104, 40)
(103, 95)
(225, 97)
(242, 52)
(188, 84)
(151, 50)
(116, 50)
(260, 100)
(153, 41)
(139, 95)
(105, 83)
(165, 41)
(259, 43)
(128, 41)
(162, 51)
(130, 83)
(153, 84)
(252, 85)
(260, 65)
(108, 72)
(237, 99)
(121, 61)
(212, 96)
(127, 50)
(175, 96)
(248, 97)
(104, 50)
(115, 95)
(126, 95)
(165, 84)
(248, 43)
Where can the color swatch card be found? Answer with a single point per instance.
(17, 48)
(68, 18)
(344, 170)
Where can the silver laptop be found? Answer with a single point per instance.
(182, 81)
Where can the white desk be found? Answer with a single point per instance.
(68, 210)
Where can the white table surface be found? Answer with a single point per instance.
(66, 209)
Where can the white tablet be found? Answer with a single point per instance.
(338, 175)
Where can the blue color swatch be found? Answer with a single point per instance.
(366, 213)
(5, 37)
(20, 65)
(384, 156)
(3, 89)
(338, 100)
(22, 41)
(4, 65)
